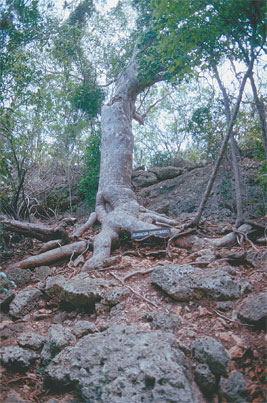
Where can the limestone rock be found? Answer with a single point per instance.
(162, 320)
(234, 388)
(253, 310)
(16, 358)
(56, 339)
(166, 172)
(31, 340)
(24, 302)
(185, 282)
(83, 327)
(124, 364)
(209, 351)
(6, 296)
(42, 272)
(144, 178)
(21, 277)
(81, 291)
(205, 379)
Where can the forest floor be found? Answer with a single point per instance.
(198, 318)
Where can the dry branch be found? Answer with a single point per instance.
(54, 255)
(38, 231)
(133, 291)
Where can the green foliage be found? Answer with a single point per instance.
(160, 159)
(89, 183)
(262, 174)
(88, 99)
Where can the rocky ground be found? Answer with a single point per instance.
(183, 326)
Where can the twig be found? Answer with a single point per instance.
(137, 272)
(180, 234)
(133, 291)
(230, 320)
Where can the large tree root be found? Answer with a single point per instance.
(52, 256)
(118, 212)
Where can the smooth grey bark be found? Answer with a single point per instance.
(222, 149)
(116, 206)
(237, 178)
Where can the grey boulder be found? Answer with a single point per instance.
(209, 351)
(124, 364)
(234, 388)
(81, 291)
(56, 339)
(253, 310)
(185, 282)
(16, 358)
(24, 302)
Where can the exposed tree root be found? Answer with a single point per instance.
(89, 223)
(54, 255)
(38, 231)
(50, 245)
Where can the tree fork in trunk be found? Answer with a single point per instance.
(205, 197)
(116, 206)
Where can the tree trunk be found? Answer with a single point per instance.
(222, 149)
(116, 206)
(261, 112)
(237, 178)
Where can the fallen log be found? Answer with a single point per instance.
(38, 231)
(51, 256)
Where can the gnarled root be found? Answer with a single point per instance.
(118, 212)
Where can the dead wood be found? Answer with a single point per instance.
(137, 272)
(89, 223)
(50, 245)
(133, 291)
(54, 255)
(38, 231)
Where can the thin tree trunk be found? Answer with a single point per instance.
(261, 112)
(237, 178)
(223, 148)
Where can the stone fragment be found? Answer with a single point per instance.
(16, 358)
(209, 351)
(83, 327)
(124, 364)
(31, 340)
(42, 272)
(224, 305)
(24, 302)
(21, 277)
(56, 339)
(185, 282)
(144, 178)
(14, 397)
(236, 352)
(205, 379)
(234, 388)
(162, 320)
(6, 296)
(164, 173)
(81, 291)
(253, 310)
